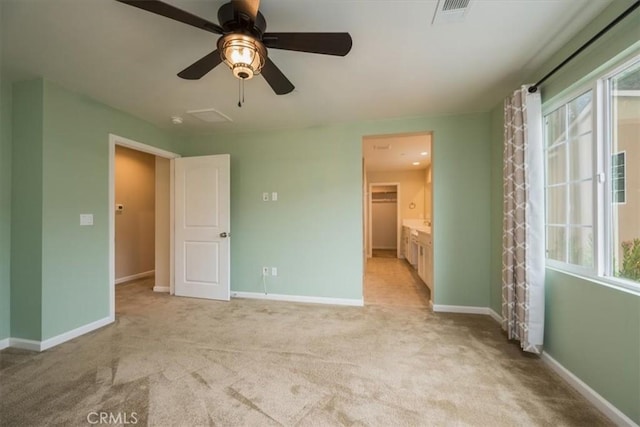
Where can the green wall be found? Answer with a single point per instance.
(497, 136)
(591, 329)
(313, 234)
(60, 165)
(594, 330)
(26, 211)
(5, 208)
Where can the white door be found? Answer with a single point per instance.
(202, 227)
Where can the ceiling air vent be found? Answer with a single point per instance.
(210, 115)
(454, 5)
(449, 11)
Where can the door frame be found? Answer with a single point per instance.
(139, 146)
(370, 214)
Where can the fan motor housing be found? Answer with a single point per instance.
(233, 21)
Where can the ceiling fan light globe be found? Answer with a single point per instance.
(243, 54)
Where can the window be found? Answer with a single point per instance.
(592, 186)
(623, 100)
(569, 185)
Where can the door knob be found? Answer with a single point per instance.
(223, 235)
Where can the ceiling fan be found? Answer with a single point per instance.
(243, 41)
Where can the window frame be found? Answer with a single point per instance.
(602, 270)
(547, 108)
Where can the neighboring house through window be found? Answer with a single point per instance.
(618, 177)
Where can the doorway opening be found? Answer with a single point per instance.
(144, 222)
(136, 211)
(383, 221)
(397, 204)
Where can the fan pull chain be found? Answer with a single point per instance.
(240, 93)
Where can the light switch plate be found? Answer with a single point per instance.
(274, 196)
(86, 219)
(265, 197)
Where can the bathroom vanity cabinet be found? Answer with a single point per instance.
(425, 258)
(416, 247)
(404, 242)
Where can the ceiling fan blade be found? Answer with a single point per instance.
(248, 7)
(201, 67)
(338, 44)
(172, 12)
(278, 82)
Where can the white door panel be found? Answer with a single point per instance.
(202, 221)
(201, 211)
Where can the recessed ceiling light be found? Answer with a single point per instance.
(176, 120)
(424, 153)
(416, 163)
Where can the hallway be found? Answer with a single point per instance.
(392, 282)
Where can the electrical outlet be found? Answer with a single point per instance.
(265, 197)
(265, 271)
(274, 271)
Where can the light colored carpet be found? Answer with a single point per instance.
(179, 361)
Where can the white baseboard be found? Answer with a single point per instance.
(135, 276)
(299, 298)
(439, 308)
(74, 333)
(613, 413)
(160, 289)
(495, 316)
(58, 339)
(467, 310)
(24, 344)
(4, 343)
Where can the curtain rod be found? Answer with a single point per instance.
(634, 6)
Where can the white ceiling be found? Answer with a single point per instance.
(400, 64)
(396, 152)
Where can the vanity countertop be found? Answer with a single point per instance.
(417, 225)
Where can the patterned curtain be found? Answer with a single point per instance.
(523, 255)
